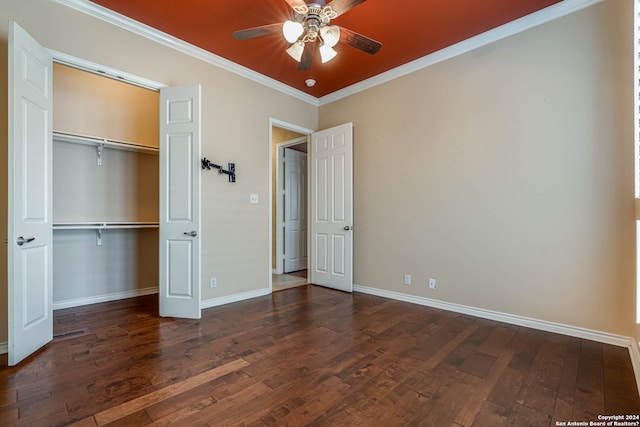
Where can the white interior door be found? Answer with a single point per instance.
(180, 202)
(295, 210)
(30, 228)
(332, 207)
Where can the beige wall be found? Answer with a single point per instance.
(506, 174)
(235, 128)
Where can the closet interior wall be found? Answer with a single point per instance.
(105, 198)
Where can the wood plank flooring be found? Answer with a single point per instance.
(310, 356)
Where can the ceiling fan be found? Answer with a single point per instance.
(310, 26)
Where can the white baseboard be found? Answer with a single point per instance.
(214, 302)
(4, 347)
(543, 325)
(57, 305)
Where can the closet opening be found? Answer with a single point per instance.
(105, 188)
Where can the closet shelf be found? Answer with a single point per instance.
(103, 225)
(97, 142)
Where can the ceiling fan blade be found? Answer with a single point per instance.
(359, 41)
(297, 4)
(307, 56)
(343, 6)
(263, 30)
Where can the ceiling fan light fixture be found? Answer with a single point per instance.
(292, 31)
(327, 53)
(330, 35)
(309, 32)
(295, 51)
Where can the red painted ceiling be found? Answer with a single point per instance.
(407, 29)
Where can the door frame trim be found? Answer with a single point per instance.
(296, 128)
(104, 71)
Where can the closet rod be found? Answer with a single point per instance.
(96, 142)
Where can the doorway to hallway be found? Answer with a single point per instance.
(289, 206)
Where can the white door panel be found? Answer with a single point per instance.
(30, 271)
(321, 253)
(339, 253)
(180, 202)
(332, 207)
(180, 253)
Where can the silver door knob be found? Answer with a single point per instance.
(192, 233)
(347, 228)
(21, 240)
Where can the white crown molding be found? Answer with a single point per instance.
(543, 325)
(214, 302)
(104, 298)
(104, 14)
(543, 16)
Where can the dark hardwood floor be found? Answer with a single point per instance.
(310, 356)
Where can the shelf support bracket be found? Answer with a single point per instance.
(99, 234)
(99, 150)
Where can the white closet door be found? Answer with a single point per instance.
(332, 207)
(30, 202)
(180, 202)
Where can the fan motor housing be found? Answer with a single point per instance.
(315, 17)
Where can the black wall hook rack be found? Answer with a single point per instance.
(207, 164)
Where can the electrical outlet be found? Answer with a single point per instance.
(214, 282)
(432, 283)
(407, 279)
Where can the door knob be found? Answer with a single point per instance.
(21, 240)
(192, 233)
(348, 227)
